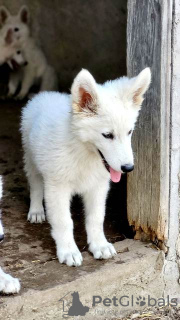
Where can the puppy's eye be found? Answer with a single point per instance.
(18, 52)
(108, 135)
(16, 29)
(129, 132)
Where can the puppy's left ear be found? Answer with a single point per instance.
(84, 93)
(139, 86)
(24, 14)
(4, 14)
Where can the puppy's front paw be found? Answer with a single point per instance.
(103, 250)
(9, 284)
(36, 217)
(70, 256)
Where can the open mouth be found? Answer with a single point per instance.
(14, 64)
(104, 161)
(115, 175)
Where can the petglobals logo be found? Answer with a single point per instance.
(72, 305)
(131, 301)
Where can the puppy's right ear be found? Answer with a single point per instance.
(4, 14)
(84, 93)
(139, 86)
(9, 36)
(24, 14)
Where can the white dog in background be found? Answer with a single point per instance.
(75, 145)
(10, 50)
(8, 284)
(11, 53)
(37, 70)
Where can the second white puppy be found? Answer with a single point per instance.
(77, 144)
(38, 71)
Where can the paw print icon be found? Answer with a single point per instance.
(141, 301)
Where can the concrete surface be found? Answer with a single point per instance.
(79, 34)
(135, 271)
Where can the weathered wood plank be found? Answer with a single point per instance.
(149, 44)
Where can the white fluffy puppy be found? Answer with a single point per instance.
(8, 284)
(10, 50)
(75, 145)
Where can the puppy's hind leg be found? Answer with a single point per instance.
(36, 211)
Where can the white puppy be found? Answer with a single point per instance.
(37, 70)
(75, 145)
(11, 53)
(10, 49)
(8, 284)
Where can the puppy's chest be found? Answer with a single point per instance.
(88, 175)
(80, 173)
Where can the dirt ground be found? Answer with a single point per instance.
(166, 313)
(28, 250)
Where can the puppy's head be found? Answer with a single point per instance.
(18, 23)
(105, 116)
(17, 60)
(16, 56)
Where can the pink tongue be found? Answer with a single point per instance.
(115, 175)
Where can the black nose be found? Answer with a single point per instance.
(127, 168)
(1, 237)
(25, 63)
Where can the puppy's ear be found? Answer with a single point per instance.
(9, 36)
(24, 14)
(139, 86)
(4, 14)
(84, 93)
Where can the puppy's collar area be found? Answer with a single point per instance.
(115, 175)
(104, 161)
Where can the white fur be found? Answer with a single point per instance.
(9, 47)
(37, 69)
(61, 137)
(11, 53)
(8, 284)
(16, 74)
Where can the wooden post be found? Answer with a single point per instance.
(149, 45)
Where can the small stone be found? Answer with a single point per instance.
(135, 315)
